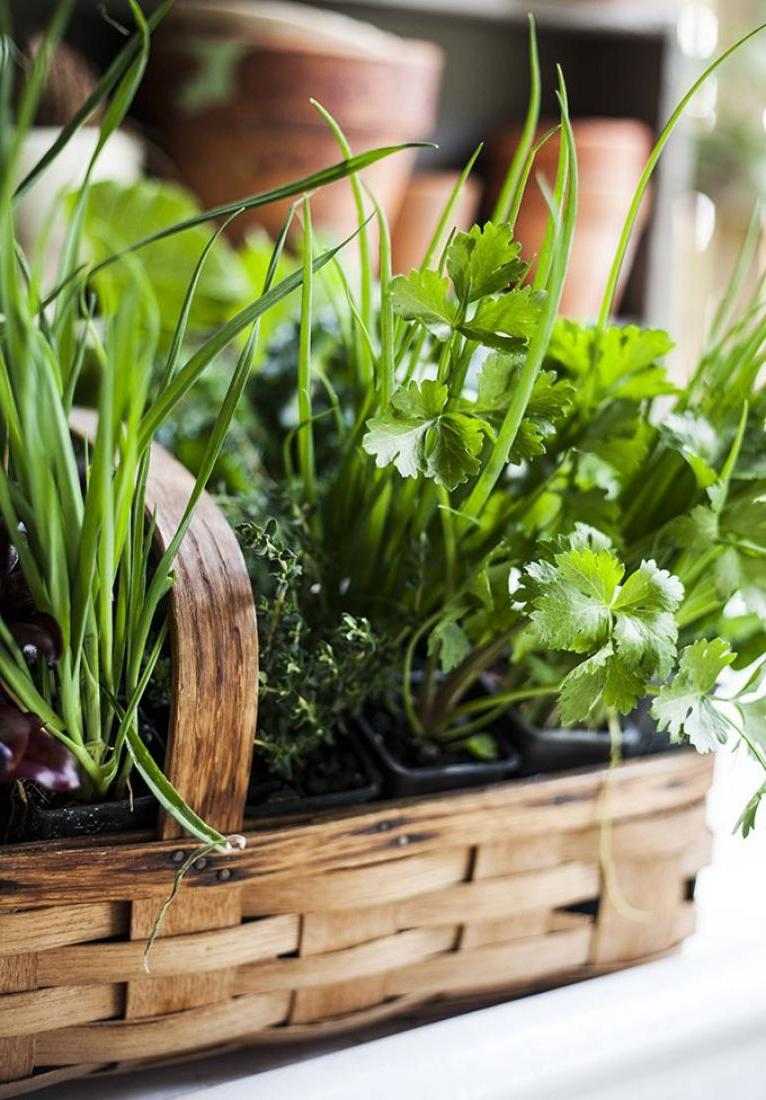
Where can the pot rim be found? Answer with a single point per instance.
(285, 27)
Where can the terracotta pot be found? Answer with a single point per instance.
(611, 155)
(425, 198)
(229, 89)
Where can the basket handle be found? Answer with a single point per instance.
(214, 642)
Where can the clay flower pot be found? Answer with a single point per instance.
(611, 155)
(229, 89)
(424, 200)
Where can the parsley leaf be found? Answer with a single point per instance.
(450, 641)
(484, 261)
(398, 435)
(424, 296)
(506, 321)
(550, 402)
(695, 439)
(623, 366)
(420, 434)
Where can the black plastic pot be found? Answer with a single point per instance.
(556, 750)
(264, 800)
(402, 779)
(80, 819)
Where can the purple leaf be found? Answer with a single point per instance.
(28, 752)
(38, 636)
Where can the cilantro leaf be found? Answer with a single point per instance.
(580, 604)
(697, 531)
(644, 625)
(604, 680)
(424, 296)
(685, 707)
(484, 261)
(572, 597)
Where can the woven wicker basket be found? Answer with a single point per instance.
(332, 923)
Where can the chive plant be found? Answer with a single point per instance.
(79, 645)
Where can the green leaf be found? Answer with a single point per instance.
(418, 434)
(549, 404)
(744, 517)
(604, 680)
(451, 449)
(482, 745)
(625, 363)
(645, 625)
(484, 261)
(571, 346)
(450, 642)
(397, 437)
(117, 215)
(695, 439)
(618, 439)
(748, 817)
(496, 381)
(580, 605)
(696, 532)
(754, 720)
(685, 707)
(572, 597)
(506, 321)
(424, 296)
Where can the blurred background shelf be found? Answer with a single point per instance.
(621, 60)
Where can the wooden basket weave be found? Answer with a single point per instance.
(331, 923)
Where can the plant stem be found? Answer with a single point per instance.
(506, 698)
(306, 428)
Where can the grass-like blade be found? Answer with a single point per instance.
(610, 289)
(514, 179)
(108, 81)
(190, 372)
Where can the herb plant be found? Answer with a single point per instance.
(496, 490)
(76, 659)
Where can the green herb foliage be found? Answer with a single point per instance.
(494, 488)
(77, 520)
